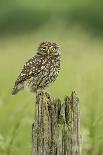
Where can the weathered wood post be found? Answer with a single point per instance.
(56, 127)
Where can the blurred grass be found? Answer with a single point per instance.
(78, 28)
(81, 70)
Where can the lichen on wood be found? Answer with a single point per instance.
(56, 127)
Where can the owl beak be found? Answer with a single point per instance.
(48, 51)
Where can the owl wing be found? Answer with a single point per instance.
(31, 68)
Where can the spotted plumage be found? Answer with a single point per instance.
(40, 70)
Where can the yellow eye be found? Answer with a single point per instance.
(43, 48)
(53, 48)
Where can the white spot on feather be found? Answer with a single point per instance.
(22, 74)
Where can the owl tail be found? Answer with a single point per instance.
(16, 89)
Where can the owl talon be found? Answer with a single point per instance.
(39, 92)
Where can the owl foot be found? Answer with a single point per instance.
(39, 92)
(43, 95)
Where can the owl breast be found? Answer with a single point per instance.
(48, 73)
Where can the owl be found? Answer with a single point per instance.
(39, 71)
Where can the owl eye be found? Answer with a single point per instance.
(43, 48)
(53, 48)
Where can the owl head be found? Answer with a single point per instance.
(48, 48)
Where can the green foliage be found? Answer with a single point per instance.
(20, 16)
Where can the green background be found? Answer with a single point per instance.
(77, 26)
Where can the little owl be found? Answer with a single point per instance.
(40, 70)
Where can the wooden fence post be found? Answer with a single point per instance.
(56, 127)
